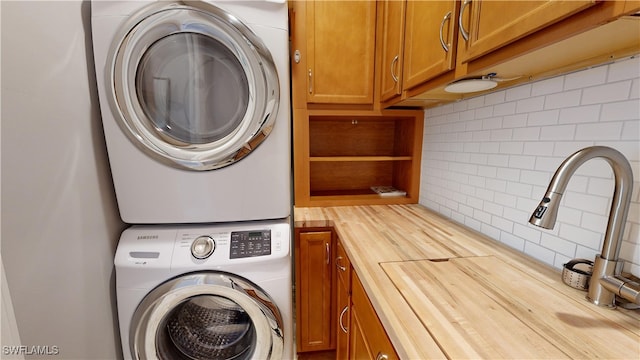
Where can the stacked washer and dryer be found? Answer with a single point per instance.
(195, 107)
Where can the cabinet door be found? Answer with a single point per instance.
(358, 347)
(314, 281)
(368, 338)
(341, 51)
(342, 338)
(391, 19)
(488, 25)
(429, 41)
(343, 267)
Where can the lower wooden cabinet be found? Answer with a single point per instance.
(315, 294)
(368, 340)
(333, 311)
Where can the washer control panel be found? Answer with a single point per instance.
(213, 246)
(250, 243)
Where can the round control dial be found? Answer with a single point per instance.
(202, 247)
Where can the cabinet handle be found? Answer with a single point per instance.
(310, 82)
(342, 327)
(382, 356)
(393, 75)
(444, 20)
(328, 253)
(465, 33)
(340, 267)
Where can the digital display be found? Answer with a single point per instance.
(250, 243)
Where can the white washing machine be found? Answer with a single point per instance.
(195, 108)
(205, 292)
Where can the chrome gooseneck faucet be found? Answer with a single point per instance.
(606, 282)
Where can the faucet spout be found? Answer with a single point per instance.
(545, 214)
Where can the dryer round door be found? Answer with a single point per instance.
(191, 85)
(207, 316)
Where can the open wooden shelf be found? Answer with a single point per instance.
(340, 155)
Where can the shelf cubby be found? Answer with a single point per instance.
(340, 155)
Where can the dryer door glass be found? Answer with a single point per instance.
(192, 86)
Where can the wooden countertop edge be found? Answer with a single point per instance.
(409, 336)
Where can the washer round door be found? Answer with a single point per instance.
(191, 85)
(207, 316)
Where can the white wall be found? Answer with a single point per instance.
(488, 160)
(60, 222)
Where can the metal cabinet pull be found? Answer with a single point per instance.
(393, 75)
(328, 253)
(442, 42)
(340, 267)
(342, 327)
(310, 82)
(465, 33)
(382, 356)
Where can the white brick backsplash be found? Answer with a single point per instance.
(504, 109)
(631, 130)
(624, 70)
(558, 244)
(588, 238)
(622, 110)
(539, 252)
(522, 162)
(484, 112)
(606, 93)
(530, 104)
(519, 92)
(586, 78)
(514, 121)
(562, 100)
(548, 117)
(599, 131)
(558, 133)
(635, 89)
(487, 160)
(512, 241)
(580, 114)
(528, 133)
(508, 173)
(496, 98)
(501, 135)
(539, 148)
(548, 86)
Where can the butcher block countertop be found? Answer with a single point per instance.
(444, 291)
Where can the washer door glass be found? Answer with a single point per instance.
(206, 315)
(206, 327)
(192, 86)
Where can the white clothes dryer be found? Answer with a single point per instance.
(195, 107)
(205, 292)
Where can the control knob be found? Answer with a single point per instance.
(202, 247)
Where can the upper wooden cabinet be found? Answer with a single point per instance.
(390, 44)
(444, 41)
(337, 53)
(488, 25)
(429, 40)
